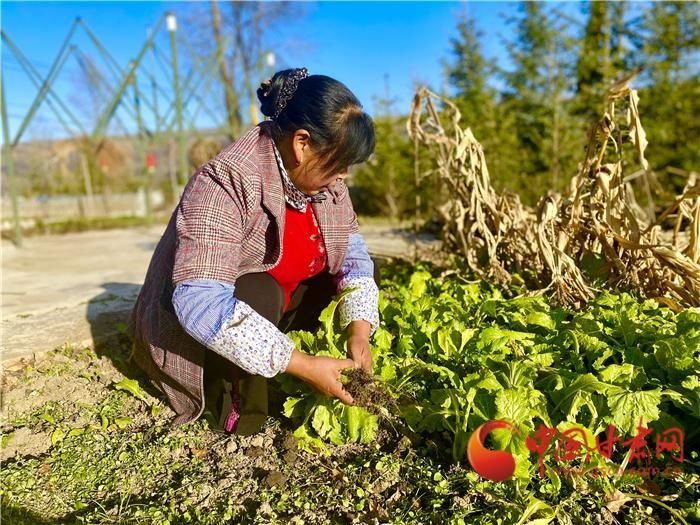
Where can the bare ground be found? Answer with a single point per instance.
(77, 449)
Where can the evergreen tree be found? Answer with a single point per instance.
(670, 102)
(468, 76)
(385, 185)
(603, 57)
(593, 68)
(469, 73)
(622, 59)
(536, 96)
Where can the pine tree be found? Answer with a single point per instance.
(536, 97)
(622, 59)
(468, 76)
(670, 102)
(384, 185)
(469, 73)
(593, 67)
(603, 57)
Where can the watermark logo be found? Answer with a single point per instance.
(495, 465)
(574, 445)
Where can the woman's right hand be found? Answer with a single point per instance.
(322, 373)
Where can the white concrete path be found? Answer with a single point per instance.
(67, 288)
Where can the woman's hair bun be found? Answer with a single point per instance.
(268, 93)
(271, 90)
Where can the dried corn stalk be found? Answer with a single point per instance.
(599, 218)
(479, 224)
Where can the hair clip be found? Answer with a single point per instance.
(289, 87)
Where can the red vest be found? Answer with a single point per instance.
(303, 251)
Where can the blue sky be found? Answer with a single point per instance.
(359, 43)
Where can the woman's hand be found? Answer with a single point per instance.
(322, 373)
(358, 344)
(360, 352)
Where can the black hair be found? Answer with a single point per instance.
(340, 131)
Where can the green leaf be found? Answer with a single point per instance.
(588, 434)
(544, 359)
(485, 379)
(368, 428)
(496, 339)
(677, 354)
(362, 426)
(76, 431)
(489, 308)
(326, 318)
(123, 422)
(692, 383)
(293, 407)
(132, 386)
(589, 335)
(321, 421)
(388, 371)
(626, 375)
(328, 315)
(579, 393)
(382, 339)
(511, 373)
(540, 319)
(418, 283)
(628, 408)
(308, 442)
(688, 322)
(484, 406)
(443, 372)
(537, 506)
(414, 415)
(336, 435)
(628, 327)
(514, 404)
(445, 344)
(57, 435)
(352, 418)
(553, 478)
(303, 340)
(302, 432)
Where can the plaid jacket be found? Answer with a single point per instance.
(229, 222)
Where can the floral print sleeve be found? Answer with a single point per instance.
(357, 272)
(209, 311)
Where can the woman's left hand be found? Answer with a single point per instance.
(360, 352)
(358, 344)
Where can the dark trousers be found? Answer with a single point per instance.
(264, 295)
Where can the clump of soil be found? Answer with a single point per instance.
(371, 395)
(366, 392)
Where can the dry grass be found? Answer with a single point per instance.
(598, 218)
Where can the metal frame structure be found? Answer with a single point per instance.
(169, 121)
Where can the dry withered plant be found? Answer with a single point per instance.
(597, 219)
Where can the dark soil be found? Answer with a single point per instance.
(370, 394)
(367, 392)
